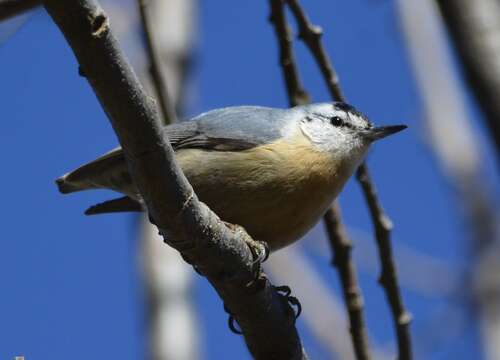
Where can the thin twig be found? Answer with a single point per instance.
(339, 241)
(166, 106)
(338, 238)
(297, 95)
(219, 252)
(388, 277)
(311, 35)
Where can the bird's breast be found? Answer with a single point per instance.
(277, 191)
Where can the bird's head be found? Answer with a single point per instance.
(341, 129)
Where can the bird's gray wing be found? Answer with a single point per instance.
(228, 129)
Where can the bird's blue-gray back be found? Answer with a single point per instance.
(229, 129)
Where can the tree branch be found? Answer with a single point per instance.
(221, 253)
(293, 85)
(173, 327)
(388, 276)
(474, 27)
(337, 235)
(166, 106)
(341, 245)
(11, 8)
(311, 35)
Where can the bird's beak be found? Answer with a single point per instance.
(383, 131)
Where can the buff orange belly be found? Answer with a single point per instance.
(274, 193)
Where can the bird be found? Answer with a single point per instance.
(272, 171)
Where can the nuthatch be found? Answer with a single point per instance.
(272, 171)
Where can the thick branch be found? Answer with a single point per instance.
(167, 108)
(311, 35)
(173, 329)
(218, 252)
(474, 27)
(11, 8)
(338, 238)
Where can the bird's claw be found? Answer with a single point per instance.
(283, 291)
(259, 249)
(231, 322)
(286, 292)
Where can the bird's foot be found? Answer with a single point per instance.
(283, 291)
(286, 292)
(259, 249)
(231, 322)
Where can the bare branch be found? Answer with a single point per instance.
(339, 241)
(311, 35)
(388, 277)
(11, 8)
(219, 252)
(337, 235)
(474, 27)
(295, 90)
(291, 266)
(167, 108)
(171, 318)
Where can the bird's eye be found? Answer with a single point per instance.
(336, 121)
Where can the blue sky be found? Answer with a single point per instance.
(70, 284)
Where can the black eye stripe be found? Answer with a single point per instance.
(336, 121)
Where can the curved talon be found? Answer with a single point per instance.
(231, 322)
(260, 251)
(286, 292)
(295, 302)
(267, 251)
(285, 289)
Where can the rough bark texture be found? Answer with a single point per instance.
(169, 33)
(220, 253)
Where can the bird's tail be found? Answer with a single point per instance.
(104, 172)
(66, 187)
(123, 204)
